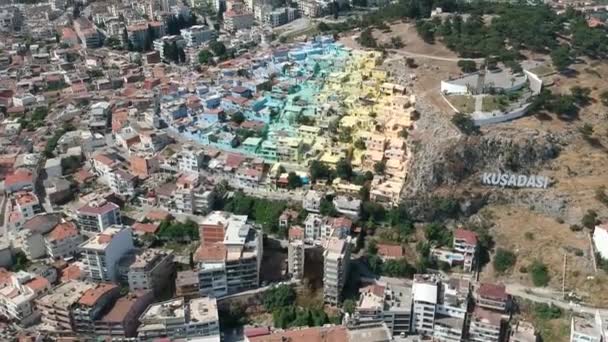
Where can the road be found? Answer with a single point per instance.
(437, 58)
(549, 296)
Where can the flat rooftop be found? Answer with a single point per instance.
(203, 310)
(102, 240)
(66, 294)
(167, 310)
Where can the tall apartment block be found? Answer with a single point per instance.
(388, 303)
(440, 308)
(148, 269)
(295, 258)
(102, 252)
(178, 318)
(335, 268)
(97, 216)
(228, 262)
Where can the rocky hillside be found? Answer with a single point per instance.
(444, 157)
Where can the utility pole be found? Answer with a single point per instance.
(564, 277)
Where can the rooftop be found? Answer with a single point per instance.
(62, 231)
(122, 307)
(66, 294)
(98, 208)
(203, 309)
(102, 240)
(91, 296)
(493, 291)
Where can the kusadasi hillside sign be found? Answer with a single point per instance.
(514, 180)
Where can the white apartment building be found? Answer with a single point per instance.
(149, 269)
(600, 240)
(159, 44)
(230, 255)
(190, 159)
(17, 296)
(465, 243)
(235, 21)
(56, 306)
(63, 241)
(587, 330)
(98, 215)
(335, 268)
(313, 225)
(295, 258)
(440, 307)
(348, 206)
(312, 201)
(179, 319)
(388, 303)
(103, 251)
(26, 203)
(485, 326)
(197, 35)
(122, 182)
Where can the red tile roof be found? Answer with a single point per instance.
(62, 231)
(5, 276)
(463, 234)
(317, 334)
(211, 253)
(256, 331)
(145, 228)
(296, 233)
(91, 296)
(390, 251)
(72, 272)
(18, 176)
(376, 289)
(493, 291)
(101, 209)
(38, 284)
(157, 215)
(83, 176)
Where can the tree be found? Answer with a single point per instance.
(279, 297)
(349, 306)
(181, 55)
(380, 167)
(438, 234)
(604, 98)
(366, 39)
(372, 248)
(318, 170)
(504, 260)
(21, 262)
(589, 220)
(581, 95)
(467, 66)
(426, 31)
(323, 27)
(238, 117)
(396, 42)
(344, 169)
(539, 273)
(465, 123)
(205, 56)
(327, 208)
(586, 131)
(293, 181)
(218, 48)
(561, 58)
(360, 144)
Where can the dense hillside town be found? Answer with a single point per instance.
(303, 171)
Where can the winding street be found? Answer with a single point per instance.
(550, 296)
